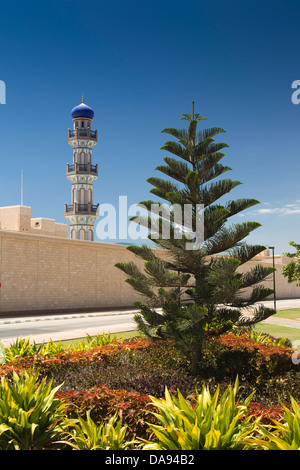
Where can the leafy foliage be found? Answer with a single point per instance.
(210, 424)
(102, 402)
(195, 280)
(292, 270)
(128, 379)
(2, 353)
(31, 417)
(280, 435)
(87, 435)
(24, 347)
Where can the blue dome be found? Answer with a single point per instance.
(82, 111)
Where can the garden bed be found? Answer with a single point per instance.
(121, 376)
(147, 367)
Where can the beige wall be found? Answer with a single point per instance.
(43, 226)
(42, 273)
(10, 218)
(18, 218)
(283, 289)
(50, 273)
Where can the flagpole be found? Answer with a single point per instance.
(21, 187)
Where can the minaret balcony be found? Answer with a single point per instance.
(72, 209)
(82, 168)
(82, 134)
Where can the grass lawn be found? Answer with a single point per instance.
(124, 335)
(293, 334)
(274, 330)
(292, 314)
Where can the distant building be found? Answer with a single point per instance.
(82, 212)
(18, 219)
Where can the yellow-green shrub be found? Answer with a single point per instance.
(30, 416)
(87, 435)
(208, 424)
(280, 435)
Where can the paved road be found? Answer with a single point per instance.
(65, 326)
(58, 326)
(283, 305)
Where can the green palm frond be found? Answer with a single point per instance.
(177, 149)
(214, 172)
(240, 205)
(208, 148)
(209, 133)
(143, 252)
(228, 237)
(214, 191)
(259, 314)
(174, 169)
(245, 252)
(181, 134)
(256, 274)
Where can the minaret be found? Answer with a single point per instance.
(82, 213)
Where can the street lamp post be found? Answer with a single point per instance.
(274, 288)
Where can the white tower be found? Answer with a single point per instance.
(82, 213)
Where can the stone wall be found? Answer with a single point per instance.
(40, 273)
(18, 218)
(283, 289)
(43, 273)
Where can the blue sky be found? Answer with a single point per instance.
(139, 65)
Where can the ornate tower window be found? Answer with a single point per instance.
(82, 213)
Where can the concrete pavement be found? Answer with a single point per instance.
(65, 327)
(9, 319)
(281, 304)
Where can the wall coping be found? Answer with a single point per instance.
(279, 259)
(56, 239)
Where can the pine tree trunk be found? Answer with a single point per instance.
(196, 356)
